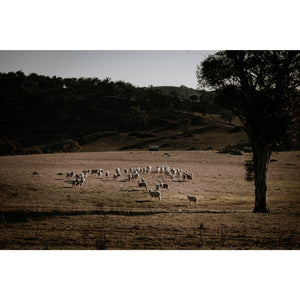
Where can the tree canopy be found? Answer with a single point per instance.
(262, 89)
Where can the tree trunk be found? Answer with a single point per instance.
(261, 159)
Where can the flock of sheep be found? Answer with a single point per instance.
(135, 174)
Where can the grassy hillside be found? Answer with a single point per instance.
(202, 134)
(40, 114)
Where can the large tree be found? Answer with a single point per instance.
(262, 89)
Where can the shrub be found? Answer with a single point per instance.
(8, 147)
(71, 146)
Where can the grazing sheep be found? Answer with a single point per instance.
(70, 174)
(95, 171)
(157, 170)
(77, 182)
(192, 199)
(189, 176)
(165, 186)
(155, 194)
(107, 174)
(116, 176)
(135, 175)
(129, 176)
(142, 183)
(85, 172)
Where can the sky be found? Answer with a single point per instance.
(140, 67)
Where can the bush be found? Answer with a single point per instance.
(9, 148)
(71, 146)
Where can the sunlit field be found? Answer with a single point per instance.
(40, 209)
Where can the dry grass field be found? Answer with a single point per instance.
(39, 209)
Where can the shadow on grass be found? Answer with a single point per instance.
(25, 216)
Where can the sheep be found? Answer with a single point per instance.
(125, 171)
(143, 183)
(116, 176)
(80, 182)
(95, 171)
(107, 174)
(171, 176)
(85, 172)
(77, 182)
(155, 194)
(189, 176)
(192, 199)
(70, 174)
(129, 176)
(118, 171)
(163, 185)
(157, 170)
(135, 175)
(80, 176)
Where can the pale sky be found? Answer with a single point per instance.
(140, 67)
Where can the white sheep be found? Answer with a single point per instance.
(142, 183)
(85, 172)
(135, 175)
